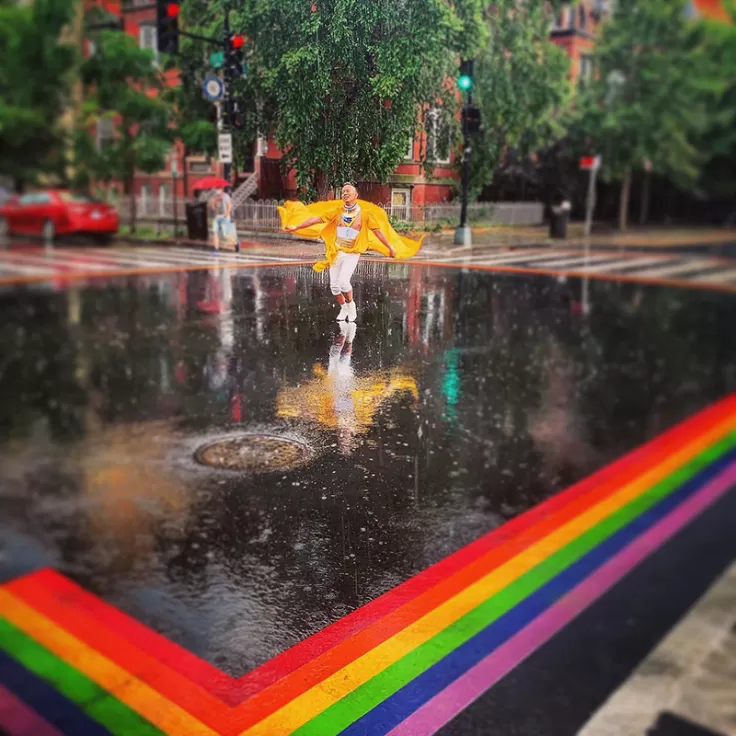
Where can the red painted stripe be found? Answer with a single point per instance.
(231, 691)
(67, 605)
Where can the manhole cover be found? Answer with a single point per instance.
(254, 453)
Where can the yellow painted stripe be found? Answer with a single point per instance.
(305, 707)
(144, 700)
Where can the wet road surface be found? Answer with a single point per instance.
(459, 400)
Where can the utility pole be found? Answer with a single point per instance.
(471, 124)
(227, 71)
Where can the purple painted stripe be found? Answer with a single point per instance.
(17, 719)
(454, 699)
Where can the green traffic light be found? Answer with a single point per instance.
(464, 82)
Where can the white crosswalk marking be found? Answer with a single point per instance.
(676, 269)
(488, 260)
(40, 264)
(725, 276)
(624, 264)
(573, 262)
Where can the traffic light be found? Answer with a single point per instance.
(167, 26)
(465, 80)
(236, 55)
(237, 114)
(471, 119)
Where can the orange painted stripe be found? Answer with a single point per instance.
(73, 275)
(679, 283)
(142, 698)
(68, 613)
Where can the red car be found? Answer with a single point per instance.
(57, 212)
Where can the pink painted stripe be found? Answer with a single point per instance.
(17, 719)
(438, 711)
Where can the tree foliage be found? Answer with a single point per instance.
(521, 86)
(718, 143)
(650, 98)
(35, 83)
(341, 82)
(122, 82)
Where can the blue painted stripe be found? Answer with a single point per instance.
(41, 697)
(405, 701)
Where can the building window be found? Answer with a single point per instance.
(401, 203)
(146, 198)
(582, 17)
(147, 39)
(200, 167)
(439, 138)
(105, 132)
(164, 196)
(585, 68)
(410, 152)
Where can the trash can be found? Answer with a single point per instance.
(559, 221)
(197, 220)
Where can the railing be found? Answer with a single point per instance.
(481, 213)
(263, 215)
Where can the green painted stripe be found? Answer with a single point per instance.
(357, 703)
(96, 702)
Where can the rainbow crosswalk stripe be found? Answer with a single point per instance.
(407, 662)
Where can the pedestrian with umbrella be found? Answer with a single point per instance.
(223, 228)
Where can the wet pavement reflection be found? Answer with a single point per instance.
(459, 400)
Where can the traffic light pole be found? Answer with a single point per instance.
(227, 71)
(463, 234)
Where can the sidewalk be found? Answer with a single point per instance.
(639, 238)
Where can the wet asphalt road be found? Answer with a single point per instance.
(462, 399)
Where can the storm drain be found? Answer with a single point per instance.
(253, 453)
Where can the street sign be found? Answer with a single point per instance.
(225, 148)
(590, 163)
(213, 88)
(217, 59)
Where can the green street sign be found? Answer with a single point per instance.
(217, 59)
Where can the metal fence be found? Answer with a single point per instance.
(263, 214)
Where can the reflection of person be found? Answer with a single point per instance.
(348, 228)
(222, 226)
(342, 381)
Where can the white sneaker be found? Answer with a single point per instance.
(344, 312)
(352, 312)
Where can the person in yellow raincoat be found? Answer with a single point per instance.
(349, 227)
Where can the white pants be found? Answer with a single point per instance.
(341, 271)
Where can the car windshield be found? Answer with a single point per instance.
(77, 197)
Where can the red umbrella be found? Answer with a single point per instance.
(211, 182)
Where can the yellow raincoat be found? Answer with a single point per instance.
(373, 216)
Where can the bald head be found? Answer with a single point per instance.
(349, 194)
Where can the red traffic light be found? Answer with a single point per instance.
(238, 42)
(172, 10)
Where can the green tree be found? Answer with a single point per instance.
(718, 176)
(521, 86)
(342, 82)
(123, 83)
(35, 84)
(649, 100)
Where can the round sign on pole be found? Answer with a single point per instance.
(213, 88)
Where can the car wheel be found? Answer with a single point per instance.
(4, 228)
(49, 231)
(104, 239)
